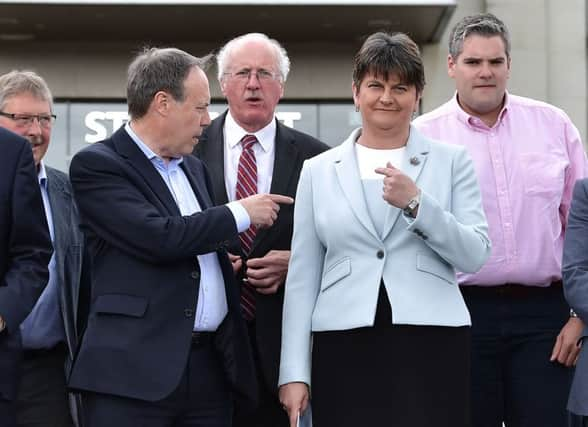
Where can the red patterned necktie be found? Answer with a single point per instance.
(247, 186)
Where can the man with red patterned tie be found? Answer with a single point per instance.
(248, 151)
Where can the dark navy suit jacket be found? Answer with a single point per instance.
(145, 275)
(25, 250)
(70, 266)
(291, 150)
(69, 248)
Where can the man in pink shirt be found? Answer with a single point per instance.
(527, 155)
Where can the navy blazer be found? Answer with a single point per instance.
(69, 248)
(25, 250)
(575, 284)
(291, 150)
(145, 275)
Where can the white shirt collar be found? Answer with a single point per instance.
(42, 175)
(234, 133)
(149, 153)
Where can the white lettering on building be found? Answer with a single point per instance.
(95, 122)
(289, 117)
(98, 122)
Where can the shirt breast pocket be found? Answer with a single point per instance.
(543, 174)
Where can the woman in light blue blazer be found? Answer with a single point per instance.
(373, 316)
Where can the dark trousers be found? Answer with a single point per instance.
(578, 420)
(42, 399)
(7, 413)
(269, 412)
(514, 329)
(202, 399)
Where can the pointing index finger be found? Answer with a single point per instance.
(387, 171)
(279, 198)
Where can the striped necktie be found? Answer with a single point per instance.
(247, 186)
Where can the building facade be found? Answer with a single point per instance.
(82, 49)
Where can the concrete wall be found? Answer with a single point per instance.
(92, 70)
(548, 53)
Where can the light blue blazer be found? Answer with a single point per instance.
(338, 258)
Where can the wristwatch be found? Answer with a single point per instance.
(412, 205)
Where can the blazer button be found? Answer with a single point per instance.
(188, 312)
(195, 275)
(380, 254)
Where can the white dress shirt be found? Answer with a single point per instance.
(212, 301)
(264, 154)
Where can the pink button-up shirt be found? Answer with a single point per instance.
(527, 164)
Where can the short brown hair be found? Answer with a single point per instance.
(385, 53)
(482, 24)
(158, 69)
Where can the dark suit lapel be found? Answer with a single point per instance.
(211, 152)
(286, 156)
(127, 148)
(197, 185)
(60, 201)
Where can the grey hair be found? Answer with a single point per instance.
(483, 24)
(283, 62)
(158, 69)
(18, 82)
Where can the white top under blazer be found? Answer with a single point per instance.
(338, 259)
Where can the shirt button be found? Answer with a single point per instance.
(188, 312)
(195, 275)
(380, 254)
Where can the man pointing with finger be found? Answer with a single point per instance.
(165, 343)
(248, 151)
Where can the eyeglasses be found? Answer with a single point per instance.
(245, 74)
(26, 120)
